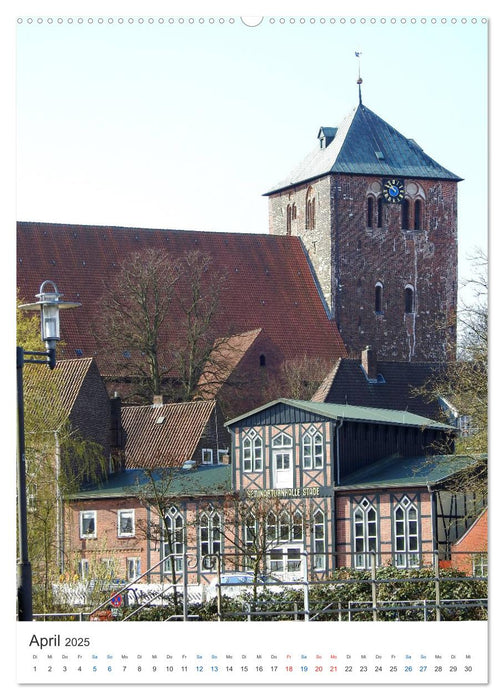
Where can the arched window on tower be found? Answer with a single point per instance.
(409, 299)
(405, 214)
(380, 212)
(289, 219)
(378, 298)
(370, 209)
(310, 209)
(418, 215)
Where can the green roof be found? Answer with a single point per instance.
(353, 413)
(207, 479)
(401, 472)
(364, 144)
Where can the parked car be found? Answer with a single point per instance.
(235, 583)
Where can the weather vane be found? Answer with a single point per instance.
(358, 54)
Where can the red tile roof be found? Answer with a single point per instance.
(164, 435)
(269, 283)
(66, 380)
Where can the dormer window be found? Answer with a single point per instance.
(326, 135)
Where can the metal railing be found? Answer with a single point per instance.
(432, 608)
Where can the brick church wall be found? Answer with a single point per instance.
(349, 258)
(425, 259)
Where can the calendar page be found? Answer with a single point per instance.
(253, 450)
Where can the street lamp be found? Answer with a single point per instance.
(49, 304)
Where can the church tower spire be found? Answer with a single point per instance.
(378, 219)
(358, 54)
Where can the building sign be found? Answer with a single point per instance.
(302, 492)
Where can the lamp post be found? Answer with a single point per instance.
(49, 304)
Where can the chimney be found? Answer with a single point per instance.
(368, 361)
(157, 401)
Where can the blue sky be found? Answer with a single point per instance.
(186, 123)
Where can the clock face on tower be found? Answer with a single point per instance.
(393, 190)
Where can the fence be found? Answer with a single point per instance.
(340, 604)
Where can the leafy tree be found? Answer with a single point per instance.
(57, 460)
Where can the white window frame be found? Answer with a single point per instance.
(252, 452)
(365, 533)
(210, 535)
(319, 540)
(406, 535)
(176, 525)
(479, 561)
(313, 449)
(205, 452)
(83, 569)
(120, 513)
(285, 558)
(133, 568)
(87, 535)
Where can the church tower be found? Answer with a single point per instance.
(378, 219)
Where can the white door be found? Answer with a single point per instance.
(283, 472)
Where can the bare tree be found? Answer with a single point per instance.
(158, 326)
(254, 527)
(464, 383)
(300, 377)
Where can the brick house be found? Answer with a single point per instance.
(183, 449)
(470, 552)
(326, 485)
(363, 479)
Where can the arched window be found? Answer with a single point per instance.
(378, 298)
(173, 539)
(406, 540)
(271, 527)
(262, 360)
(313, 457)
(297, 526)
(310, 209)
(289, 219)
(252, 452)
(319, 540)
(418, 215)
(365, 532)
(282, 440)
(370, 211)
(409, 299)
(285, 527)
(405, 214)
(210, 537)
(380, 212)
